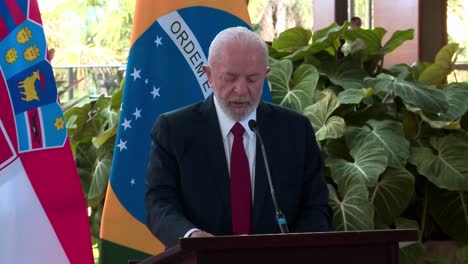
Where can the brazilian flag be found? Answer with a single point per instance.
(169, 45)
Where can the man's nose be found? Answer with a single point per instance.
(241, 87)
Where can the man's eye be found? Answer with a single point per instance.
(252, 80)
(228, 78)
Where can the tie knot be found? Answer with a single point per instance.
(237, 129)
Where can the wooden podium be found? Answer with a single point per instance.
(330, 247)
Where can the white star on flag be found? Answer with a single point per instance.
(137, 113)
(146, 81)
(126, 124)
(122, 145)
(158, 41)
(132, 182)
(135, 74)
(155, 92)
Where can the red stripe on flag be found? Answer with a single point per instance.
(16, 12)
(53, 175)
(35, 131)
(6, 152)
(34, 13)
(3, 29)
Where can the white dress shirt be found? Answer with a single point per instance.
(225, 124)
(250, 146)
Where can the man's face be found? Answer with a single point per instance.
(236, 77)
(356, 24)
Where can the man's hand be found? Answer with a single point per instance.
(200, 233)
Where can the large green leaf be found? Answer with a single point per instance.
(427, 98)
(319, 116)
(354, 96)
(450, 211)
(102, 138)
(348, 74)
(324, 39)
(296, 91)
(101, 172)
(447, 166)
(443, 65)
(403, 71)
(107, 126)
(392, 194)
(418, 68)
(387, 134)
(370, 160)
(79, 126)
(457, 97)
(398, 38)
(292, 39)
(370, 41)
(351, 207)
(371, 37)
(116, 100)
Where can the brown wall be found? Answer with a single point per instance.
(399, 15)
(433, 33)
(324, 13)
(328, 11)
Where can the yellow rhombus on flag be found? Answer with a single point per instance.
(169, 44)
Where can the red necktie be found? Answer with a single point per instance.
(241, 193)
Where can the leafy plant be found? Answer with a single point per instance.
(92, 126)
(394, 139)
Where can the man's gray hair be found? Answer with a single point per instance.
(238, 35)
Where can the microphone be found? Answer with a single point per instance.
(280, 218)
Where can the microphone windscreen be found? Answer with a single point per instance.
(252, 125)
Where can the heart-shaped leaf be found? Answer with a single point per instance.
(457, 97)
(398, 38)
(292, 39)
(324, 39)
(427, 98)
(443, 65)
(387, 134)
(101, 172)
(444, 164)
(354, 96)
(347, 74)
(296, 91)
(351, 207)
(319, 115)
(371, 37)
(370, 160)
(450, 211)
(392, 194)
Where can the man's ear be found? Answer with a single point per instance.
(206, 69)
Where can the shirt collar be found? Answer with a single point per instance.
(226, 123)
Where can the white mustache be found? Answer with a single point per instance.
(240, 99)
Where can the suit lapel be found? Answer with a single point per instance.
(261, 181)
(216, 154)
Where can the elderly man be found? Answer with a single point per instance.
(206, 174)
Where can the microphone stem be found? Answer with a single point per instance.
(280, 218)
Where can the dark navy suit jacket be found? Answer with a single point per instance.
(188, 177)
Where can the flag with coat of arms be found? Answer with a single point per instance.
(43, 216)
